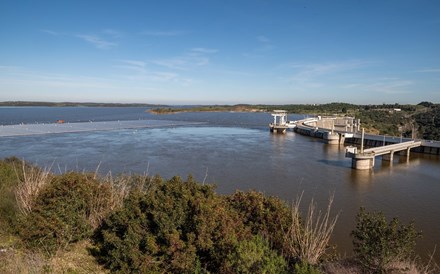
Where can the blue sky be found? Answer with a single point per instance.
(216, 52)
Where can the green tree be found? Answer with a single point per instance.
(378, 243)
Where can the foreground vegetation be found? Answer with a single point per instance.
(79, 223)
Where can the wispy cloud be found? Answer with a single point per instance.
(195, 57)
(97, 41)
(429, 70)
(138, 71)
(133, 65)
(263, 46)
(112, 33)
(204, 50)
(390, 86)
(17, 76)
(304, 72)
(164, 33)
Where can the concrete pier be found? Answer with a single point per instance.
(332, 138)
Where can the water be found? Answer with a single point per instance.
(236, 151)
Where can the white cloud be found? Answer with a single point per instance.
(204, 50)
(164, 33)
(195, 57)
(384, 86)
(97, 41)
(113, 33)
(140, 73)
(134, 65)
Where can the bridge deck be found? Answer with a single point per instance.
(390, 148)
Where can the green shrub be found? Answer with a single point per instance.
(8, 181)
(378, 243)
(305, 268)
(256, 256)
(266, 216)
(174, 227)
(62, 212)
(11, 173)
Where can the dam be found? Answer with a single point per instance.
(346, 131)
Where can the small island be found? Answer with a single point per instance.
(209, 108)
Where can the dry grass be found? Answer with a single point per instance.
(307, 239)
(114, 191)
(27, 190)
(76, 260)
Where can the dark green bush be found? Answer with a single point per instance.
(378, 243)
(11, 172)
(305, 268)
(266, 216)
(256, 256)
(62, 212)
(8, 206)
(175, 227)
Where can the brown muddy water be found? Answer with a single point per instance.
(236, 151)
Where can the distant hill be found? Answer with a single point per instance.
(71, 104)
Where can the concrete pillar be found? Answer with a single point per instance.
(362, 163)
(331, 139)
(362, 140)
(388, 157)
(341, 139)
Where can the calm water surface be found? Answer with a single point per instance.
(236, 151)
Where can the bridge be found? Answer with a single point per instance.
(365, 159)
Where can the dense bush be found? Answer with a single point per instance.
(63, 212)
(11, 173)
(266, 216)
(256, 256)
(176, 226)
(378, 243)
(8, 181)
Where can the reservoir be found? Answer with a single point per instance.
(237, 151)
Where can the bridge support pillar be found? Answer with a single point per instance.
(388, 157)
(362, 163)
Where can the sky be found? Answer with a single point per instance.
(220, 52)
